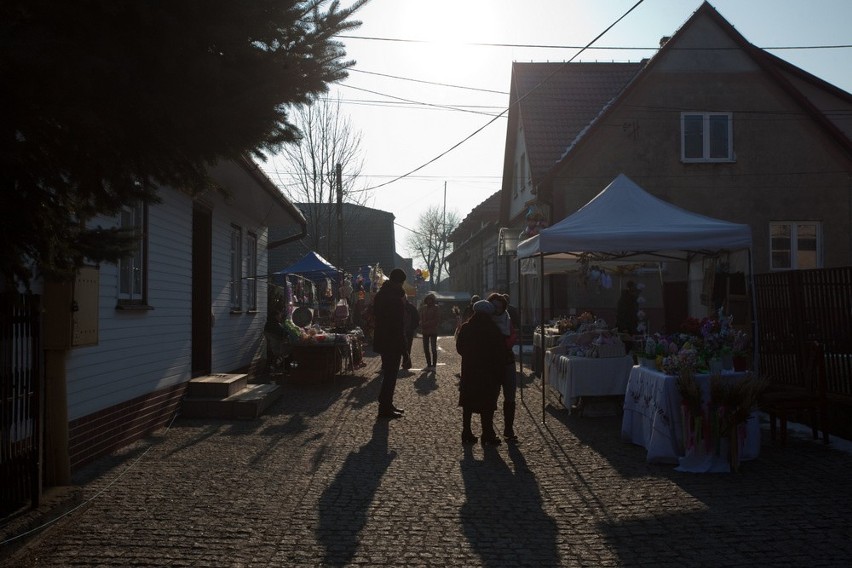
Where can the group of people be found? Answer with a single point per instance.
(484, 340)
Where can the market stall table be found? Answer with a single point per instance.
(575, 377)
(319, 360)
(551, 339)
(653, 417)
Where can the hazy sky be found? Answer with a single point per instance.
(403, 125)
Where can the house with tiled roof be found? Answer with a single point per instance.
(711, 124)
(473, 264)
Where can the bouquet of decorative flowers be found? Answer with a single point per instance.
(684, 361)
(740, 342)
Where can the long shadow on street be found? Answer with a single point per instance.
(345, 505)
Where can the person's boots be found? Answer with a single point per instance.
(467, 436)
(489, 436)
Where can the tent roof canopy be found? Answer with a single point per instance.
(624, 222)
(311, 266)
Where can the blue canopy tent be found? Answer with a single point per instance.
(313, 267)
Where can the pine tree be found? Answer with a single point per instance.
(105, 100)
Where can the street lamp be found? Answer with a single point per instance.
(507, 242)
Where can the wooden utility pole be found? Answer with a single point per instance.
(339, 172)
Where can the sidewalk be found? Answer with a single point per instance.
(317, 481)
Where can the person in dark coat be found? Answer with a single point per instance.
(484, 354)
(389, 338)
(411, 321)
(626, 312)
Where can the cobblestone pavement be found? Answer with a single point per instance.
(317, 481)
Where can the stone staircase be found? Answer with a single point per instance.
(227, 396)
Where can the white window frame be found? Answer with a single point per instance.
(132, 285)
(251, 272)
(706, 138)
(795, 256)
(236, 268)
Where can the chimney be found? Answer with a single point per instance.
(664, 40)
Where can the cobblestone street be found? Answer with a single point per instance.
(317, 481)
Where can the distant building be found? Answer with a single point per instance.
(368, 238)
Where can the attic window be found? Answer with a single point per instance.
(706, 137)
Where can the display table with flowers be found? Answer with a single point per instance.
(658, 418)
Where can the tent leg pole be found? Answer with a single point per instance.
(520, 325)
(541, 349)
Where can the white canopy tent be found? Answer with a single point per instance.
(626, 224)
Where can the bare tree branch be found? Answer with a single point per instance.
(429, 241)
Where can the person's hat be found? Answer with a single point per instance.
(397, 275)
(484, 306)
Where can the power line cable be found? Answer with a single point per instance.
(490, 122)
(353, 70)
(588, 47)
(443, 107)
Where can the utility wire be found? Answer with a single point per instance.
(442, 107)
(493, 120)
(353, 70)
(589, 47)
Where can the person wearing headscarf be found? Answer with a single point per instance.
(389, 338)
(483, 350)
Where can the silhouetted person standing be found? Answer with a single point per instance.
(389, 338)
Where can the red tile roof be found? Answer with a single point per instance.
(558, 101)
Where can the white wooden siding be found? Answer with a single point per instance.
(140, 352)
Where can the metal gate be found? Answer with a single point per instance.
(21, 404)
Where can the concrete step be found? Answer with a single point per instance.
(247, 404)
(220, 385)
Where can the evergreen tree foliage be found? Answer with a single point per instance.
(104, 100)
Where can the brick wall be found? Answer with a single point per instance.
(107, 430)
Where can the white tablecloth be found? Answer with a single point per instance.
(653, 417)
(551, 338)
(574, 377)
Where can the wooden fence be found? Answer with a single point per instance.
(21, 415)
(795, 307)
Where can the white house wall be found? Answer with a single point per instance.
(236, 336)
(143, 351)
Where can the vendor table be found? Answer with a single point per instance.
(575, 377)
(551, 339)
(320, 361)
(653, 417)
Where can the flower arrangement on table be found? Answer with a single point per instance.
(587, 336)
(707, 423)
(699, 345)
(575, 323)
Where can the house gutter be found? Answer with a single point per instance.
(263, 181)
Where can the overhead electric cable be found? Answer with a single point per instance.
(444, 107)
(353, 70)
(493, 120)
(600, 47)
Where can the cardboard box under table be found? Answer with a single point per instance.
(577, 377)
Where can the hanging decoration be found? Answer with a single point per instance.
(536, 221)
